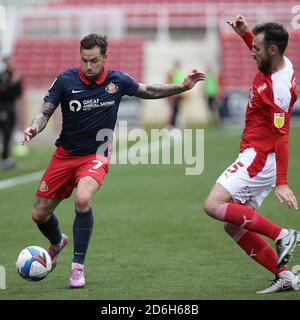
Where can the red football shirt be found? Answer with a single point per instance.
(272, 97)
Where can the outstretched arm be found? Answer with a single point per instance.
(158, 91)
(39, 122)
(240, 26)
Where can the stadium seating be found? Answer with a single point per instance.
(238, 67)
(125, 2)
(182, 13)
(39, 61)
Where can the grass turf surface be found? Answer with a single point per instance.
(151, 239)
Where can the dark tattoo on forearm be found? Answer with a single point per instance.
(158, 91)
(41, 120)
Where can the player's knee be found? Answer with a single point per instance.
(82, 202)
(43, 209)
(210, 207)
(39, 216)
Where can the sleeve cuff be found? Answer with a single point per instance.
(248, 38)
(280, 180)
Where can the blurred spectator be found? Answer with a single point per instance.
(211, 89)
(175, 76)
(10, 93)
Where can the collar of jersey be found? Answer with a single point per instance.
(100, 79)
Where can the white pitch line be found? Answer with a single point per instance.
(16, 181)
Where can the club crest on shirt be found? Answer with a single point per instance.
(278, 120)
(43, 186)
(111, 88)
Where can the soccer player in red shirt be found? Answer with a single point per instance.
(263, 160)
(89, 97)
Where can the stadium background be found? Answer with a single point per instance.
(166, 235)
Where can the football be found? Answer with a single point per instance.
(33, 263)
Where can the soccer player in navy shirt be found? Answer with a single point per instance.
(89, 97)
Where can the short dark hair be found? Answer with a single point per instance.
(94, 40)
(274, 34)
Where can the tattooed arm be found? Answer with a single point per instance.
(39, 122)
(158, 91)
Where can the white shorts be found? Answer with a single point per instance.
(246, 189)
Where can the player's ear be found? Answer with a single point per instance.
(105, 57)
(273, 49)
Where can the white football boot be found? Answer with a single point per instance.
(77, 279)
(284, 281)
(286, 246)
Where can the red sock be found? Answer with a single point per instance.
(260, 251)
(247, 218)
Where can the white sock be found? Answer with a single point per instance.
(77, 265)
(283, 233)
(286, 274)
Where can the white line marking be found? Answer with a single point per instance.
(17, 181)
(122, 154)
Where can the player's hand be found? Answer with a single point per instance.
(284, 194)
(192, 78)
(239, 25)
(29, 133)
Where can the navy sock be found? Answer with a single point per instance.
(82, 231)
(51, 230)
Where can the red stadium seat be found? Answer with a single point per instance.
(238, 68)
(39, 61)
(153, 2)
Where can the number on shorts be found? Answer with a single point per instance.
(98, 165)
(235, 167)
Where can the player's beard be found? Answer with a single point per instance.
(92, 77)
(265, 65)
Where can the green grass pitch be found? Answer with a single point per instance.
(151, 239)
